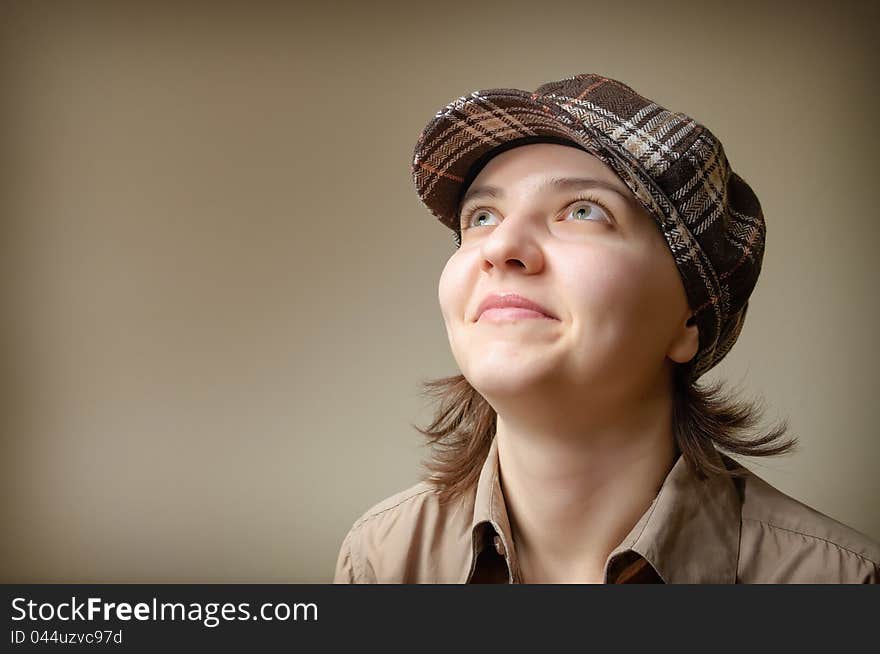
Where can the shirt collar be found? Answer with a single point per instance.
(689, 533)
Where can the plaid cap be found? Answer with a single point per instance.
(676, 168)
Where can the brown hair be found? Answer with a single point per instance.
(703, 417)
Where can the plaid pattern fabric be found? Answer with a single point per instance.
(676, 167)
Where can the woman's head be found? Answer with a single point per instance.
(675, 166)
(652, 287)
(556, 225)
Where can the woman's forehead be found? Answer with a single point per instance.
(540, 167)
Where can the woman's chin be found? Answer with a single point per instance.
(509, 378)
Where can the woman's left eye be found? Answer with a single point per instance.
(588, 211)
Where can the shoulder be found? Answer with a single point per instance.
(396, 507)
(410, 537)
(784, 540)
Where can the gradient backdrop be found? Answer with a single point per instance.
(220, 288)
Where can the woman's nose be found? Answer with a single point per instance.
(513, 243)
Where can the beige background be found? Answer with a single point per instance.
(220, 286)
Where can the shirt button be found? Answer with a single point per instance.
(499, 545)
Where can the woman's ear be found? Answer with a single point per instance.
(686, 342)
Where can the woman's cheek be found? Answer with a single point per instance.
(452, 290)
(605, 285)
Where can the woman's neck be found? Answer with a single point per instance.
(573, 497)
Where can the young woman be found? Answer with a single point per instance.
(606, 256)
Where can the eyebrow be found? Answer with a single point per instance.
(557, 183)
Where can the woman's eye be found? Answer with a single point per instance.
(584, 211)
(588, 212)
(478, 218)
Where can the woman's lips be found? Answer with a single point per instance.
(509, 314)
(508, 301)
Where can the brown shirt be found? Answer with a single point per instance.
(716, 531)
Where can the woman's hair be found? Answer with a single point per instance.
(703, 417)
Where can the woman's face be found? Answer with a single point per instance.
(584, 250)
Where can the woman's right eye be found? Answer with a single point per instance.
(476, 218)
